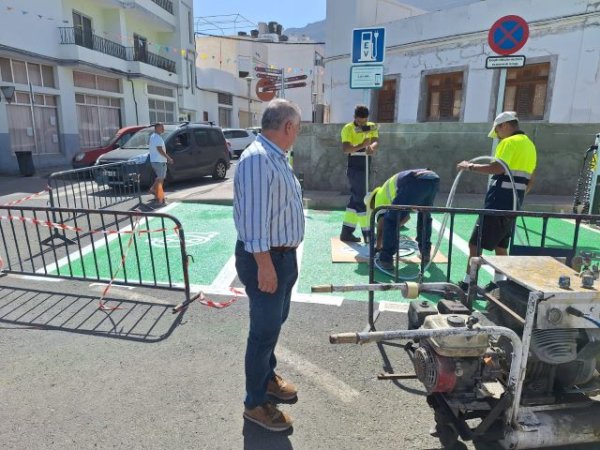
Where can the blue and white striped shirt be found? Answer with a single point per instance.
(267, 201)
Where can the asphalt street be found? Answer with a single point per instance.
(75, 375)
(127, 373)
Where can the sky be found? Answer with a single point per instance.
(290, 14)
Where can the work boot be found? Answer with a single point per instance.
(281, 389)
(268, 417)
(387, 266)
(347, 236)
(366, 236)
(491, 286)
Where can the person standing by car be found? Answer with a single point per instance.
(158, 160)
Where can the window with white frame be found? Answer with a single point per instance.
(33, 123)
(444, 96)
(224, 117)
(526, 91)
(96, 82)
(23, 72)
(161, 110)
(99, 119)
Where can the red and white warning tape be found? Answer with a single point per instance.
(201, 298)
(62, 226)
(16, 202)
(101, 304)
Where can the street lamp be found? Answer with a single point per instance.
(250, 121)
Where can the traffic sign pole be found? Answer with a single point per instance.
(506, 36)
(499, 103)
(366, 99)
(368, 47)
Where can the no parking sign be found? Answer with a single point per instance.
(508, 35)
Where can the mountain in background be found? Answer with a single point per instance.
(316, 30)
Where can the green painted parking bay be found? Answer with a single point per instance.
(210, 240)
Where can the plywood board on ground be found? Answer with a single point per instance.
(347, 252)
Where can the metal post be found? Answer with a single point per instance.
(517, 376)
(499, 103)
(366, 98)
(595, 178)
(250, 121)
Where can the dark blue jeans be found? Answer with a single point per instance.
(410, 191)
(268, 312)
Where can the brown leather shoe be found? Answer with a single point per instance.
(268, 417)
(281, 389)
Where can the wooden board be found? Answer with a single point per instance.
(539, 273)
(347, 252)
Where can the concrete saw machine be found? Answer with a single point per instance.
(523, 372)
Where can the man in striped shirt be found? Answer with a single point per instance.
(269, 220)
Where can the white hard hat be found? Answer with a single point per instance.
(506, 116)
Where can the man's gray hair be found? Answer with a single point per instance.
(278, 112)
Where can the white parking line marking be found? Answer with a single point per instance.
(583, 225)
(76, 255)
(458, 242)
(226, 276)
(34, 278)
(393, 307)
(311, 298)
(318, 376)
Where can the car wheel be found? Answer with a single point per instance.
(220, 170)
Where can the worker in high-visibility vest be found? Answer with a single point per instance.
(518, 152)
(359, 141)
(416, 187)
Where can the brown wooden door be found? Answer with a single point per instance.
(386, 102)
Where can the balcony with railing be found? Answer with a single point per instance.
(143, 55)
(84, 38)
(167, 5)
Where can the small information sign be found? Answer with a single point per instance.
(504, 62)
(366, 77)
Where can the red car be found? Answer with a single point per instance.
(88, 157)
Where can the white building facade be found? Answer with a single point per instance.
(435, 62)
(87, 68)
(227, 78)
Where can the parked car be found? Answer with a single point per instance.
(239, 138)
(255, 130)
(87, 158)
(197, 150)
(231, 155)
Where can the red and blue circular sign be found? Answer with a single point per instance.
(508, 35)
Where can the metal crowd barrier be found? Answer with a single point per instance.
(96, 187)
(125, 247)
(566, 251)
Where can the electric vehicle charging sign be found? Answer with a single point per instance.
(368, 45)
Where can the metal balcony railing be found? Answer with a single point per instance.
(78, 36)
(143, 55)
(82, 38)
(167, 5)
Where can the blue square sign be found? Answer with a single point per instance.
(368, 45)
